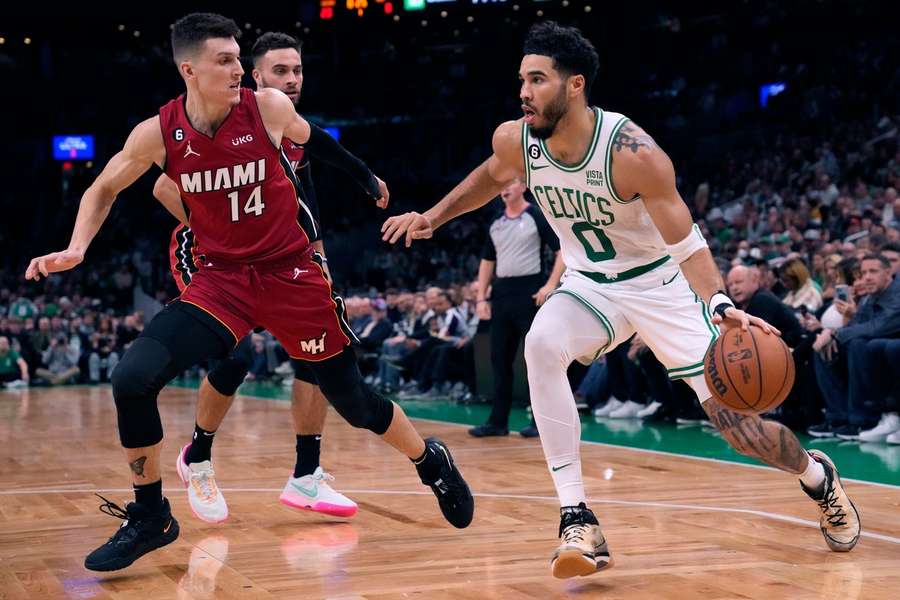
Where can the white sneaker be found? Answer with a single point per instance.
(16, 384)
(894, 438)
(612, 404)
(285, 369)
(207, 502)
(649, 410)
(312, 492)
(889, 423)
(629, 410)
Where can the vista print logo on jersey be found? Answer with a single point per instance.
(594, 177)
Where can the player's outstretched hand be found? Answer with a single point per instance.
(53, 263)
(735, 317)
(382, 201)
(412, 225)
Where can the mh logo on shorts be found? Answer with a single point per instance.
(315, 345)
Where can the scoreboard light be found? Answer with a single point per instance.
(413, 5)
(73, 147)
(326, 9)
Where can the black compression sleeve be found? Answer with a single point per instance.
(323, 146)
(308, 190)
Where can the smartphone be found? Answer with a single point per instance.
(842, 292)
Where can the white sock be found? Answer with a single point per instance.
(814, 475)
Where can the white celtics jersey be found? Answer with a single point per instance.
(599, 232)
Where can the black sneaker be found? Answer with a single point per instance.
(142, 532)
(488, 430)
(823, 430)
(451, 490)
(530, 432)
(848, 432)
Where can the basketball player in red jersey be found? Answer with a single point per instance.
(277, 63)
(220, 143)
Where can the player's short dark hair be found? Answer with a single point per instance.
(891, 247)
(880, 258)
(572, 53)
(272, 40)
(190, 31)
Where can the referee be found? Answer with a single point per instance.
(513, 249)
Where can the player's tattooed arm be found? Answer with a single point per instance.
(137, 466)
(768, 441)
(632, 137)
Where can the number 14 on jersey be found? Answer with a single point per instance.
(253, 206)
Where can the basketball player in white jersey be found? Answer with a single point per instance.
(635, 263)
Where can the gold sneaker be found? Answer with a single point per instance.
(583, 550)
(840, 520)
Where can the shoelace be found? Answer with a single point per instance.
(206, 482)
(324, 477)
(112, 509)
(829, 503)
(575, 533)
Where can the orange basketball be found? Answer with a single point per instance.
(749, 371)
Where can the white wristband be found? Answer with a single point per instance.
(691, 244)
(719, 303)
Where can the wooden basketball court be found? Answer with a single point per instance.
(678, 527)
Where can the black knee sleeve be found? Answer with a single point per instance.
(136, 382)
(357, 403)
(303, 372)
(228, 375)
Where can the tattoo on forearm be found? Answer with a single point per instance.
(137, 466)
(769, 441)
(631, 137)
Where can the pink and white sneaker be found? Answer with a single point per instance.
(312, 492)
(207, 502)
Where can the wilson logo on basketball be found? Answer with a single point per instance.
(712, 370)
(242, 140)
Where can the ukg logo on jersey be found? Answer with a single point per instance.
(242, 140)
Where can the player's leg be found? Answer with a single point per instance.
(316, 330)
(568, 327)
(178, 337)
(308, 486)
(676, 326)
(194, 462)
(363, 407)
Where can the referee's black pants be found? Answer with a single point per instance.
(511, 317)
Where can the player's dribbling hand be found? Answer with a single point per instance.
(735, 317)
(382, 201)
(53, 263)
(413, 225)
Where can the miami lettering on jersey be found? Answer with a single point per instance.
(224, 178)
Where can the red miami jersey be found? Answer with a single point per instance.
(239, 189)
(293, 152)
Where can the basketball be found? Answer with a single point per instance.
(749, 371)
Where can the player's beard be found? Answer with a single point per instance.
(265, 83)
(553, 112)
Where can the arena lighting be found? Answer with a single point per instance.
(121, 28)
(768, 90)
(27, 40)
(587, 8)
(2, 40)
(137, 33)
(413, 5)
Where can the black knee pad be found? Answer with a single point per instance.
(136, 382)
(303, 372)
(228, 375)
(359, 405)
